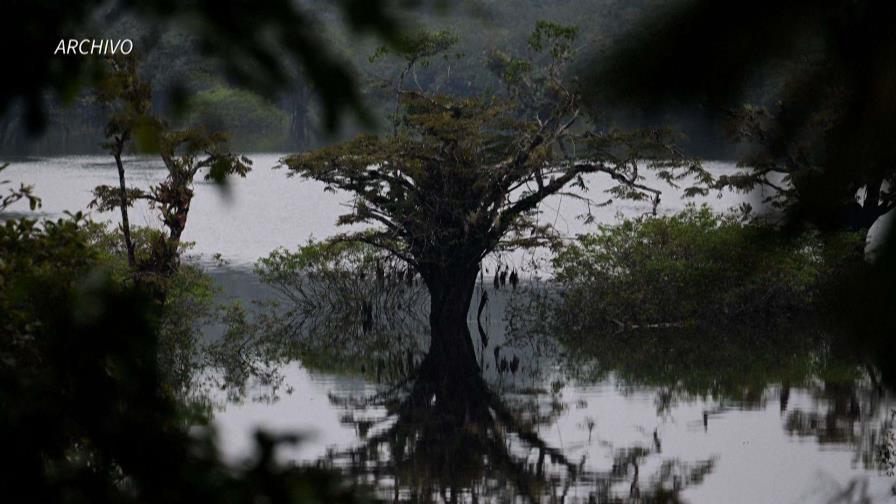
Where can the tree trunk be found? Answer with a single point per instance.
(451, 361)
(123, 203)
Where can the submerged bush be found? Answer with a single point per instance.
(346, 302)
(189, 301)
(697, 267)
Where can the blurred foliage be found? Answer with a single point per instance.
(126, 101)
(179, 64)
(89, 411)
(823, 136)
(99, 373)
(13, 195)
(258, 43)
(828, 132)
(698, 268)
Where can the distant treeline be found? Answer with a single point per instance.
(189, 89)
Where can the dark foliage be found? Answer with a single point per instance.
(829, 135)
(86, 416)
(259, 43)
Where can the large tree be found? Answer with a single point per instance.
(458, 178)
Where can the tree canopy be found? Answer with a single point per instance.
(460, 177)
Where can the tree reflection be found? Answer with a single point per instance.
(739, 368)
(425, 439)
(345, 307)
(851, 414)
(432, 444)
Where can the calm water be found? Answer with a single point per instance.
(776, 424)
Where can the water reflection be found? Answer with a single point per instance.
(651, 416)
(742, 369)
(433, 445)
(853, 414)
